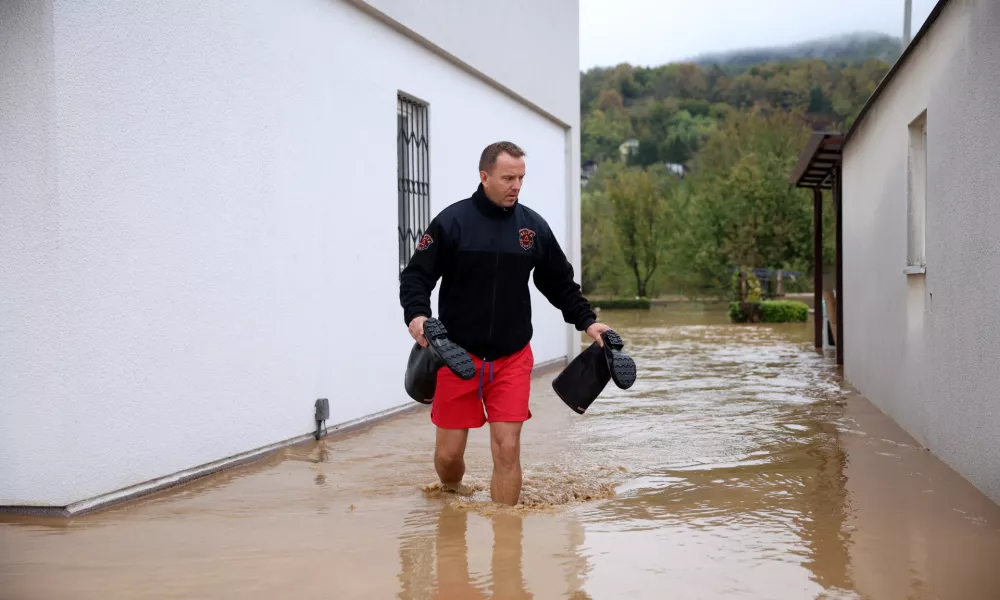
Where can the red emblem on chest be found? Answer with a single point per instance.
(527, 238)
(424, 242)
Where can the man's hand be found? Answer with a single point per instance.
(417, 330)
(593, 331)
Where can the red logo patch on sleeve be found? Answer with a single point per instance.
(527, 238)
(425, 242)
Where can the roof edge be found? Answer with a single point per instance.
(816, 144)
(931, 19)
(806, 156)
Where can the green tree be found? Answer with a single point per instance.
(818, 103)
(743, 211)
(768, 222)
(738, 128)
(603, 133)
(641, 203)
(603, 268)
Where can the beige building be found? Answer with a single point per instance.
(919, 239)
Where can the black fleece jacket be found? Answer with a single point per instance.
(483, 255)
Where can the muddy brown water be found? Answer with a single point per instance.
(739, 466)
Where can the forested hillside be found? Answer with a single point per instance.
(843, 48)
(737, 131)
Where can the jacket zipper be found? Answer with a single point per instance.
(493, 305)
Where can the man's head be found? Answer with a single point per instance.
(501, 171)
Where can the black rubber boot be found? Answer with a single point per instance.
(621, 365)
(421, 374)
(448, 352)
(583, 379)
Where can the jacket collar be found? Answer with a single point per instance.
(488, 208)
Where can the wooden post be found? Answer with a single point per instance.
(839, 204)
(818, 264)
(781, 285)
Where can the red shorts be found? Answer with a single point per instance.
(501, 387)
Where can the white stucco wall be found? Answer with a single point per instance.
(203, 233)
(29, 240)
(925, 349)
(531, 48)
(511, 43)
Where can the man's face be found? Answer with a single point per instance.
(503, 184)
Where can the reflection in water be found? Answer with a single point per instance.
(738, 466)
(452, 578)
(435, 561)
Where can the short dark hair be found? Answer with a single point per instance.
(494, 150)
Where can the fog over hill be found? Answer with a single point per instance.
(852, 47)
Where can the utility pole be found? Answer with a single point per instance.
(907, 14)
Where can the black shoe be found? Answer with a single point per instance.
(448, 352)
(621, 365)
(583, 379)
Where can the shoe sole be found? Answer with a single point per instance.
(451, 354)
(621, 365)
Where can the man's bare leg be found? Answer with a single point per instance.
(449, 456)
(505, 440)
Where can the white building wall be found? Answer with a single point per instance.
(531, 48)
(926, 349)
(205, 232)
(501, 40)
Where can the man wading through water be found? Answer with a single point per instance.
(484, 248)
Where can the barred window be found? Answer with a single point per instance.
(413, 169)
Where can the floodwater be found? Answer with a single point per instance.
(738, 466)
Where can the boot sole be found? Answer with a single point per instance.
(621, 365)
(448, 352)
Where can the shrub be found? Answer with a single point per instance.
(736, 314)
(623, 304)
(781, 311)
(784, 311)
(745, 312)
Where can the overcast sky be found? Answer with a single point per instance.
(653, 32)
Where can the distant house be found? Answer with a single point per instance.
(587, 171)
(921, 241)
(677, 169)
(205, 206)
(628, 148)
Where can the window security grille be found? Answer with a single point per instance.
(413, 173)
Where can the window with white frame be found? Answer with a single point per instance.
(413, 174)
(916, 195)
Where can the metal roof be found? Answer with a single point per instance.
(817, 161)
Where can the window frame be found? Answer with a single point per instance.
(916, 195)
(413, 183)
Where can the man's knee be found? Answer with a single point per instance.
(450, 447)
(506, 447)
(449, 455)
(507, 454)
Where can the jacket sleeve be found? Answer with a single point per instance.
(422, 272)
(554, 279)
